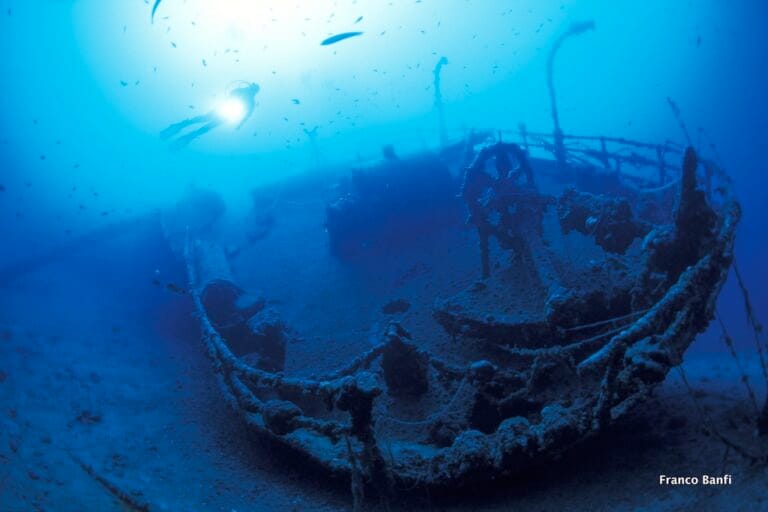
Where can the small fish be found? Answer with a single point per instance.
(359, 19)
(154, 9)
(339, 37)
(123, 83)
(174, 288)
(205, 64)
(295, 101)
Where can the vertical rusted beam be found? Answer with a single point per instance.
(523, 136)
(557, 133)
(604, 151)
(439, 100)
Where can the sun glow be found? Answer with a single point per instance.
(231, 110)
(185, 64)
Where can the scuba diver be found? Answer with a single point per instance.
(237, 108)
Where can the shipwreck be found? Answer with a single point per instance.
(597, 261)
(545, 366)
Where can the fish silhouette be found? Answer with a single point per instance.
(154, 9)
(339, 37)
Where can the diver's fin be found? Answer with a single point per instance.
(184, 140)
(170, 131)
(175, 128)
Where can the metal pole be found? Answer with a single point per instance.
(575, 29)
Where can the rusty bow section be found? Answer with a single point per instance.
(563, 373)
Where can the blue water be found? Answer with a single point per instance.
(86, 87)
